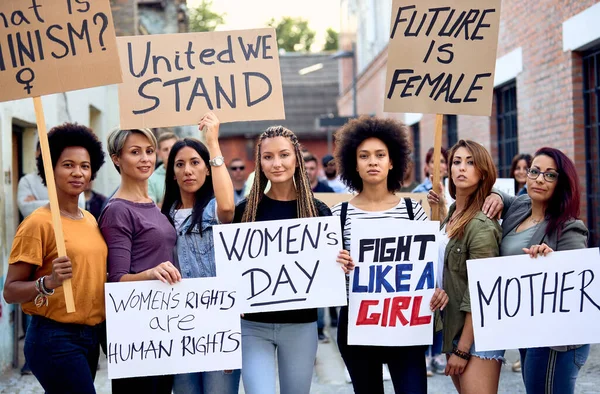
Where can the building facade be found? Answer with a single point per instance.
(96, 108)
(545, 88)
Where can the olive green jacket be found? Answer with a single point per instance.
(480, 240)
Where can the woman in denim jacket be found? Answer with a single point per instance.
(199, 195)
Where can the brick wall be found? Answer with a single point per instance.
(549, 89)
(124, 16)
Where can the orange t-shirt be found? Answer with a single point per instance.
(35, 244)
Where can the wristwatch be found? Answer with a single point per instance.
(217, 161)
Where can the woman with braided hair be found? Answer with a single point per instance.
(292, 334)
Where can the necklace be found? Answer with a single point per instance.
(70, 216)
(535, 221)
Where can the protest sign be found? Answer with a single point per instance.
(157, 329)
(520, 302)
(332, 199)
(283, 264)
(392, 283)
(442, 56)
(172, 80)
(52, 46)
(504, 185)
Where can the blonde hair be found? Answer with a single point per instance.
(484, 165)
(117, 138)
(304, 199)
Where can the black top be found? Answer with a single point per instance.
(269, 209)
(323, 187)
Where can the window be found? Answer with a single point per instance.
(416, 134)
(452, 130)
(591, 95)
(508, 135)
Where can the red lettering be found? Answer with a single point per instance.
(386, 309)
(398, 305)
(362, 318)
(415, 319)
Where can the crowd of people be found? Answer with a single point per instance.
(158, 226)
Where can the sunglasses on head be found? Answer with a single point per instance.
(237, 168)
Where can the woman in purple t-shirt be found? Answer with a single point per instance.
(139, 237)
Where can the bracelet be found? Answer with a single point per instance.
(44, 288)
(461, 354)
(42, 298)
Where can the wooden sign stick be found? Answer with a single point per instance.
(437, 157)
(54, 208)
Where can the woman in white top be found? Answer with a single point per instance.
(372, 156)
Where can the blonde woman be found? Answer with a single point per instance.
(290, 337)
(140, 239)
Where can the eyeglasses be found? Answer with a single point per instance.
(549, 176)
(240, 168)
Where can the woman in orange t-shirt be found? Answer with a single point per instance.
(61, 348)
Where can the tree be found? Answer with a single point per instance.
(293, 34)
(332, 40)
(202, 18)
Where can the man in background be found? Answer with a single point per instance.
(93, 201)
(237, 172)
(156, 183)
(312, 169)
(333, 180)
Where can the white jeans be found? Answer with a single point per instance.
(295, 346)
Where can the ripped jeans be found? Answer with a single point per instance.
(486, 354)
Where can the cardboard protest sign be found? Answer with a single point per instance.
(172, 80)
(442, 56)
(283, 264)
(392, 283)
(52, 46)
(516, 299)
(332, 199)
(157, 329)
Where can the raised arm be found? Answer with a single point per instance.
(221, 180)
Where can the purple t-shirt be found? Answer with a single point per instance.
(138, 235)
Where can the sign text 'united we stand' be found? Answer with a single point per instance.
(283, 264)
(393, 282)
(173, 79)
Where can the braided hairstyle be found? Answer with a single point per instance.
(304, 194)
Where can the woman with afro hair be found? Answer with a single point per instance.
(373, 155)
(61, 348)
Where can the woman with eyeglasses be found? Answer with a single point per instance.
(542, 221)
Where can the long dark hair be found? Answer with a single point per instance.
(564, 203)
(172, 192)
(513, 167)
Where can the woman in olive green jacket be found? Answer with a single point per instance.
(469, 234)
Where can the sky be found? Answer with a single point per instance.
(248, 14)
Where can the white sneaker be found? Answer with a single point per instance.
(428, 366)
(386, 373)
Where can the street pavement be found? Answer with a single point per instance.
(329, 376)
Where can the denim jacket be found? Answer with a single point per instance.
(195, 251)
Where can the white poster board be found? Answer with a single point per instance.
(510, 309)
(505, 185)
(157, 329)
(283, 264)
(393, 282)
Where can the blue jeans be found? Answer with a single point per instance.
(365, 364)
(207, 382)
(547, 371)
(63, 357)
(294, 344)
